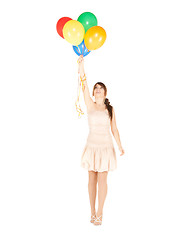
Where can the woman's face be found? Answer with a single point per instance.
(99, 91)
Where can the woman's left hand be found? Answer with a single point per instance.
(121, 150)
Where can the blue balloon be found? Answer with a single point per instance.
(81, 49)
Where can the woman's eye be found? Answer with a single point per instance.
(100, 87)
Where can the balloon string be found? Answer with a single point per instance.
(78, 50)
(83, 50)
(77, 104)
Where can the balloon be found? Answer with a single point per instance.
(60, 24)
(73, 32)
(81, 49)
(88, 20)
(95, 37)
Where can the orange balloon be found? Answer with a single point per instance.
(95, 37)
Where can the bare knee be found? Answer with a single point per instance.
(92, 177)
(102, 178)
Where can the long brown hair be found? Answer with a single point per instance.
(107, 103)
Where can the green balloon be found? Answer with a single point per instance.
(88, 20)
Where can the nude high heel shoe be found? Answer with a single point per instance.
(93, 218)
(97, 221)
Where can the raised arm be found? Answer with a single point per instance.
(88, 100)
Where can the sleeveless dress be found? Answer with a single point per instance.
(99, 153)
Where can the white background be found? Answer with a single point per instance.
(147, 65)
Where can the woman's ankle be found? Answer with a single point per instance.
(99, 213)
(93, 212)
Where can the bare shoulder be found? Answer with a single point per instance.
(113, 112)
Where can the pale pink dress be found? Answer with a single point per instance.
(99, 153)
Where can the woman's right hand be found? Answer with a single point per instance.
(80, 64)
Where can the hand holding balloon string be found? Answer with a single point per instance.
(81, 71)
(81, 65)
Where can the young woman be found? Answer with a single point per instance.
(99, 155)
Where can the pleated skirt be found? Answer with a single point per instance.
(99, 154)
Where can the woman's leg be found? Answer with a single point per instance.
(102, 191)
(92, 183)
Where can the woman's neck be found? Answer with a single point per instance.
(100, 102)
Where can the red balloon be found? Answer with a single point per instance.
(60, 24)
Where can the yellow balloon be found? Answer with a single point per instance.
(95, 37)
(73, 32)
